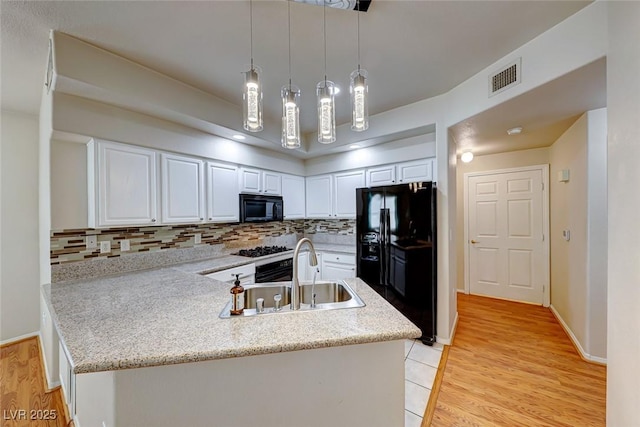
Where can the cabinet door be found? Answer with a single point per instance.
(383, 175)
(417, 171)
(293, 196)
(182, 192)
(250, 180)
(271, 183)
(345, 184)
(127, 185)
(319, 196)
(222, 191)
(336, 266)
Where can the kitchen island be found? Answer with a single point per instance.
(148, 348)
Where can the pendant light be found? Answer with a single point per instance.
(252, 90)
(290, 104)
(359, 91)
(325, 91)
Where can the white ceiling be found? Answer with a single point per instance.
(413, 50)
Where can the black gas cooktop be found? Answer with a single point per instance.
(262, 251)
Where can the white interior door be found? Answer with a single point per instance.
(506, 244)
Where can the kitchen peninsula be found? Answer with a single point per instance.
(148, 348)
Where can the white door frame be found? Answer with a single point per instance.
(545, 225)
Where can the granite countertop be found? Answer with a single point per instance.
(170, 315)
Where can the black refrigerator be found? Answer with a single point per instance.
(396, 249)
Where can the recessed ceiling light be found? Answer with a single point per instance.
(354, 146)
(467, 156)
(515, 131)
(239, 137)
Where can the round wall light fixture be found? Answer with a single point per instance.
(466, 157)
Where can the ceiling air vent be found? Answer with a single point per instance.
(505, 77)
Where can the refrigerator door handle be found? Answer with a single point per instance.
(383, 249)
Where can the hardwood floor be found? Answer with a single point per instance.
(24, 400)
(512, 364)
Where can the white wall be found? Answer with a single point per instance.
(69, 201)
(19, 277)
(568, 211)
(403, 150)
(623, 105)
(597, 233)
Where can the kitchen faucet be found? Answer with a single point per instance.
(295, 283)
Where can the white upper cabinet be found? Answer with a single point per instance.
(344, 193)
(293, 196)
(260, 182)
(415, 171)
(122, 185)
(383, 175)
(319, 200)
(222, 193)
(182, 190)
(333, 196)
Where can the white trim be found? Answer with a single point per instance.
(21, 337)
(448, 341)
(574, 339)
(461, 291)
(544, 169)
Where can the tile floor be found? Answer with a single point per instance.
(420, 367)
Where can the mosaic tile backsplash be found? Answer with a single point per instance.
(69, 246)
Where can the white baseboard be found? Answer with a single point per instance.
(20, 338)
(461, 291)
(574, 339)
(448, 341)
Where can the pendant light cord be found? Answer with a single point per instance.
(358, 5)
(324, 23)
(251, 30)
(289, 19)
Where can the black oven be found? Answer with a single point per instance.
(256, 208)
(275, 271)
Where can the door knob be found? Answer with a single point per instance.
(473, 242)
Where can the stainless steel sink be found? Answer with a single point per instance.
(329, 296)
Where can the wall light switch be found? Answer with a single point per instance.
(92, 242)
(125, 245)
(197, 238)
(105, 247)
(563, 175)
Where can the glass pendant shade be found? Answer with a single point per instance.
(252, 100)
(325, 90)
(290, 116)
(359, 91)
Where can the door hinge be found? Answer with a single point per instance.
(543, 186)
(543, 237)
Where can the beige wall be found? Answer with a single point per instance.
(513, 159)
(568, 202)
(623, 104)
(19, 277)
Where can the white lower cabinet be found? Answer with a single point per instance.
(338, 266)
(67, 381)
(222, 193)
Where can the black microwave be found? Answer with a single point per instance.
(257, 208)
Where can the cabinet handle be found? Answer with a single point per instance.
(210, 219)
(201, 219)
(153, 220)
